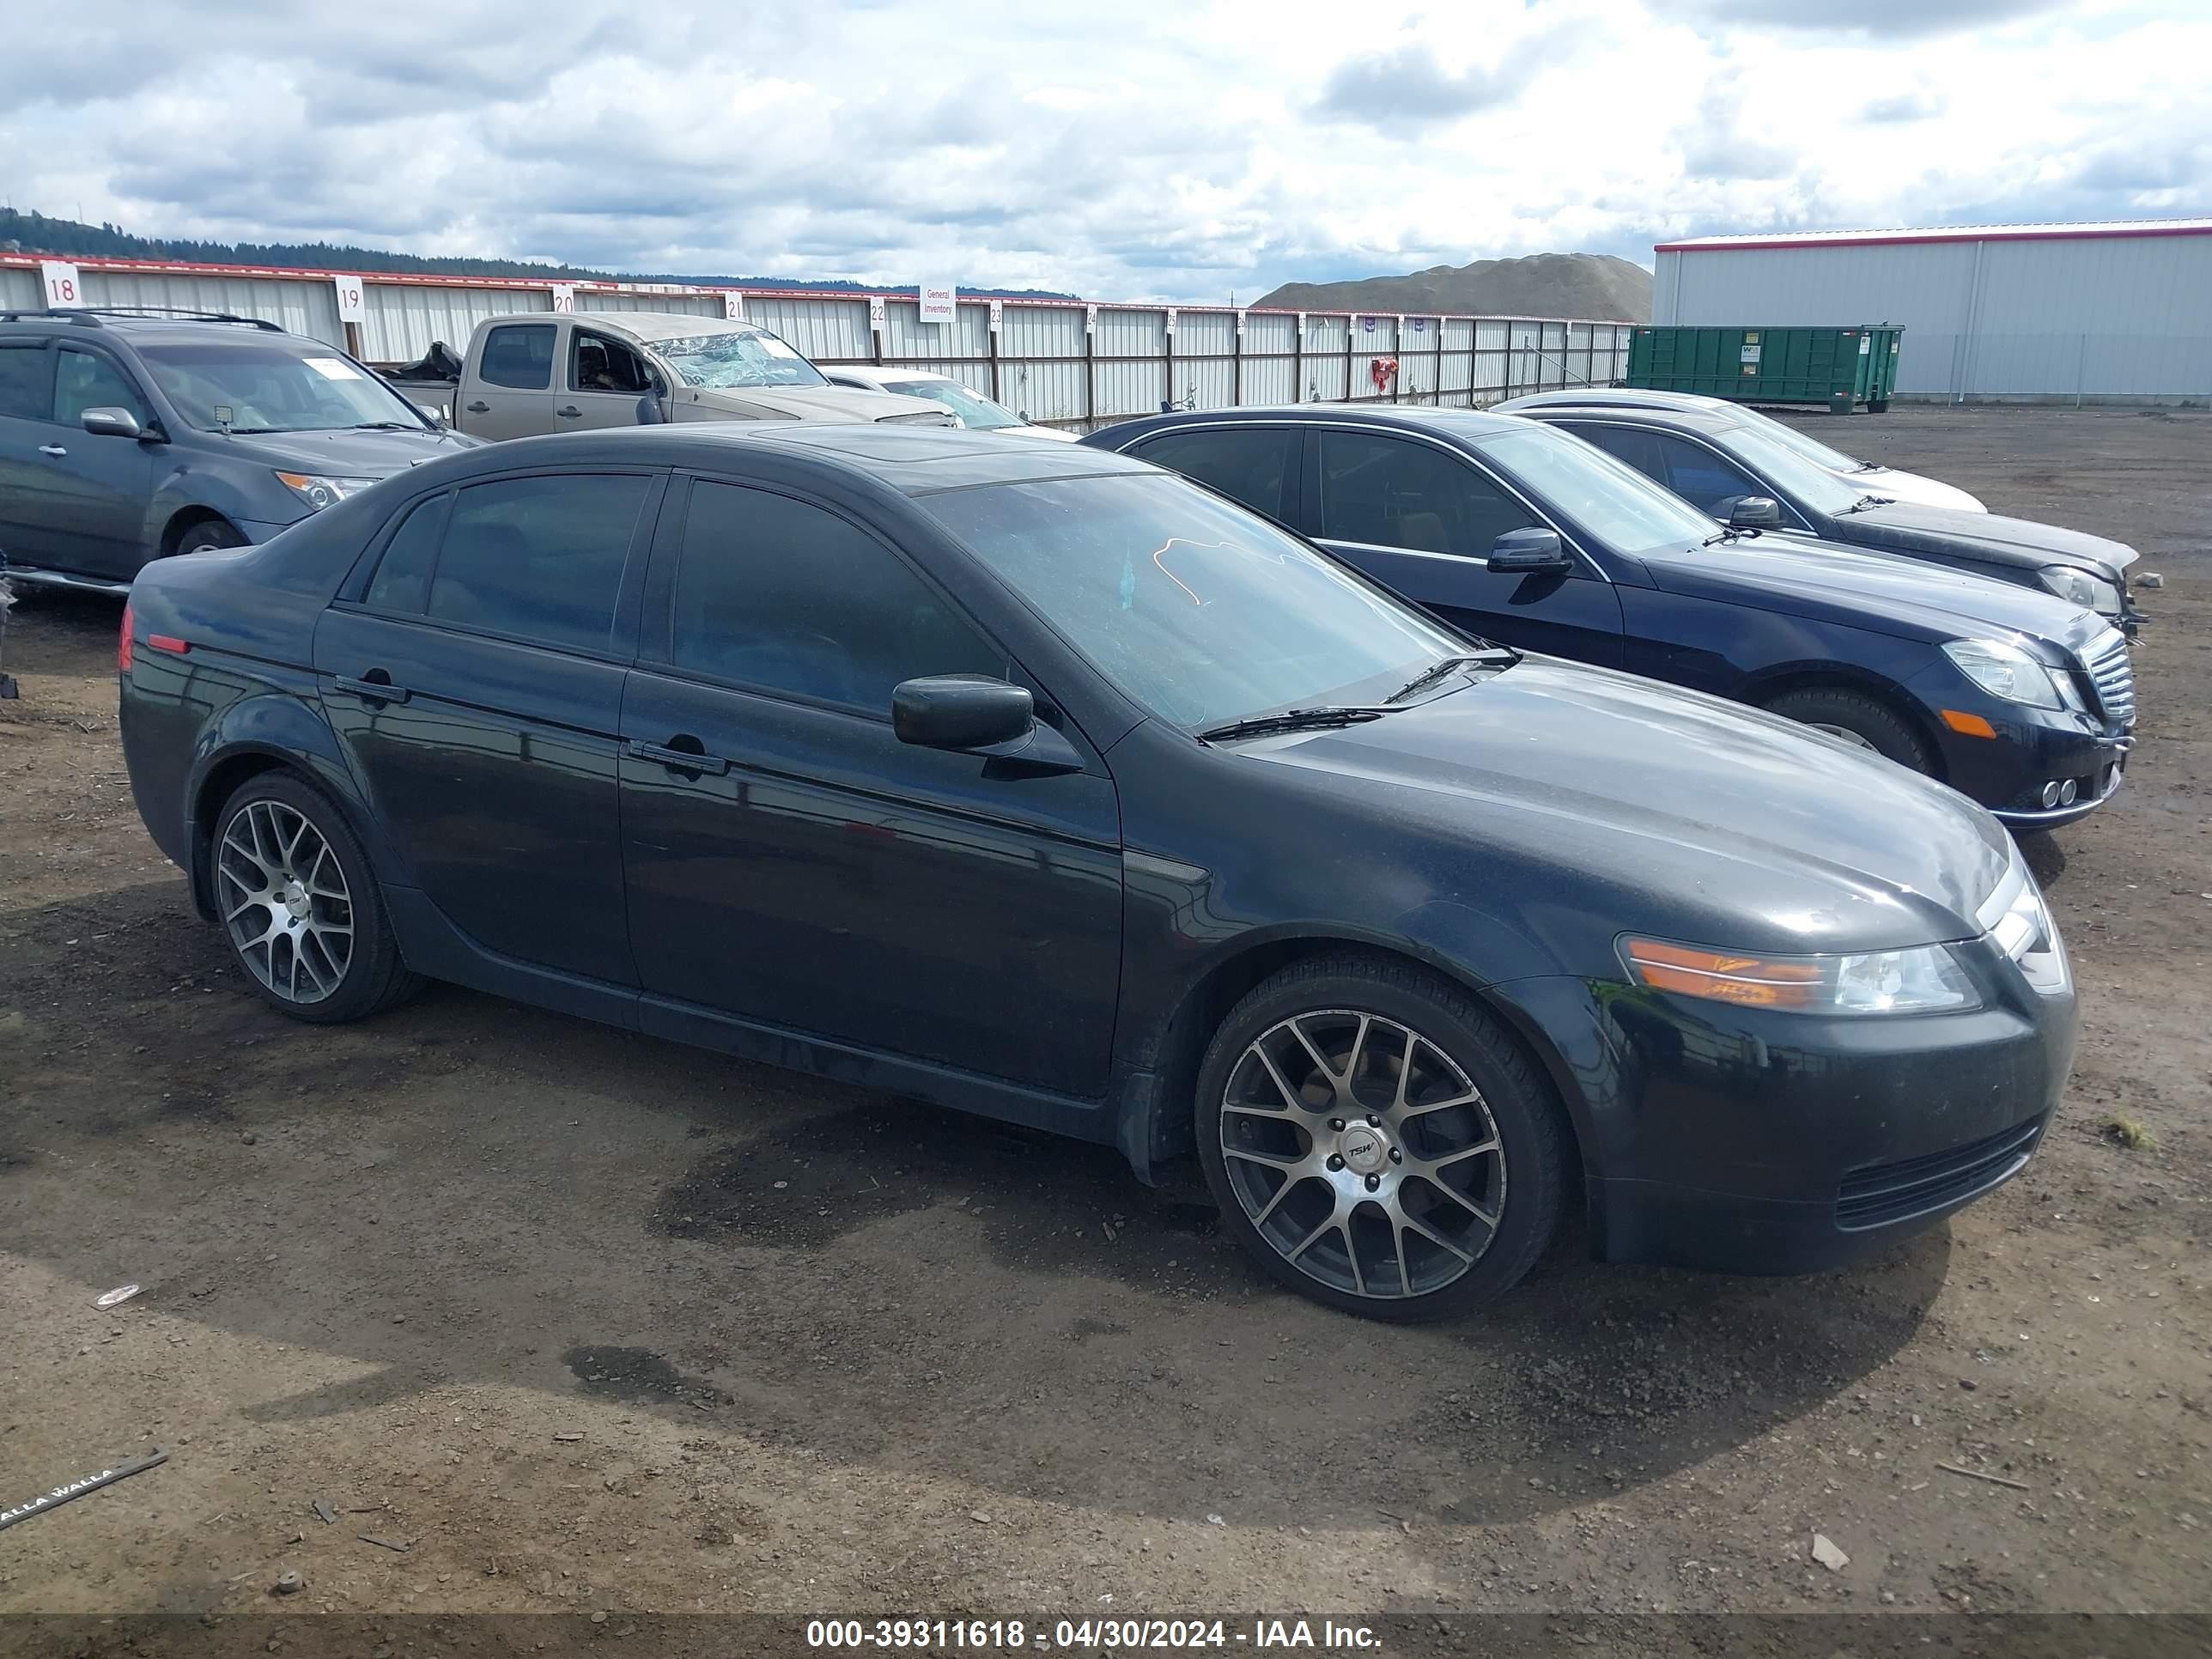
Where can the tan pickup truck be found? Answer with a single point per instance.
(541, 372)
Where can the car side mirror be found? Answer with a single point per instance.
(1755, 513)
(960, 712)
(1525, 552)
(649, 411)
(110, 423)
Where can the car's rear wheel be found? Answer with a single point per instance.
(1859, 720)
(299, 906)
(1377, 1142)
(208, 533)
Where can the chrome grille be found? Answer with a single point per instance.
(2114, 673)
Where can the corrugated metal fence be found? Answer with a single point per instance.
(1058, 362)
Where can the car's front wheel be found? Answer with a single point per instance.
(208, 535)
(1377, 1141)
(1858, 719)
(299, 906)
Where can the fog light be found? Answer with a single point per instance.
(2066, 792)
(2050, 795)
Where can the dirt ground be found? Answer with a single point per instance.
(587, 1323)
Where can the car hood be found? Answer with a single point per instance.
(1910, 528)
(351, 454)
(1888, 594)
(1725, 826)
(809, 403)
(1911, 487)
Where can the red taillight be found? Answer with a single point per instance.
(168, 642)
(123, 643)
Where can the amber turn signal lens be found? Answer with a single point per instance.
(1751, 981)
(1971, 725)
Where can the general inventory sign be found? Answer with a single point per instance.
(941, 302)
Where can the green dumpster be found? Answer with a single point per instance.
(1837, 369)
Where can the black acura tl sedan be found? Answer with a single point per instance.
(1040, 782)
(1518, 533)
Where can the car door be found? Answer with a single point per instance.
(602, 381)
(98, 489)
(1421, 519)
(476, 683)
(811, 872)
(26, 476)
(510, 391)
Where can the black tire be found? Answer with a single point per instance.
(371, 976)
(1522, 1117)
(208, 533)
(1872, 722)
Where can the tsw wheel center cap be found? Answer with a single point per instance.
(1364, 1149)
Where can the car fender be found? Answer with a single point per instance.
(183, 487)
(284, 729)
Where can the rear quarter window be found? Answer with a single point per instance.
(25, 380)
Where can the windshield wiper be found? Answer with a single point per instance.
(1868, 466)
(1295, 720)
(388, 426)
(1429, 676)
(1866, 501)
(1725, 533)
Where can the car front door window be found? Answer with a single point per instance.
(87, 380)
(1395, 492)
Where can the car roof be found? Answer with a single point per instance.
(883, 374)
(1613, 397)
(151, 330)
(1461, 423)
(1679, 420)
(641, 325)
(915, 460)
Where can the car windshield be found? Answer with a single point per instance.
(977, 412)
(1833, 460)
(1782, 467)
(248, 387)
(1609, 498)
(736, 357)
(1200, 611)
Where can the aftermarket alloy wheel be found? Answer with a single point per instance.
(299, 905)
(1376, 1142)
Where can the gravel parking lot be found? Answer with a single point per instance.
(587, 1323)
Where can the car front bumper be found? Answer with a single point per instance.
(1755, 1141)
(2031, 748)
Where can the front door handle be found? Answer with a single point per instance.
(570, 412)
(479, 407)
(679, 760)
(372, 689)
(55, 450)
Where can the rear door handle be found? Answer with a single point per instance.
(570, 413)
(679, 760)
(55, 450)
(371, 690)
(479, 407)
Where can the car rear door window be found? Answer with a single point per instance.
(86, 379)
(1639, 449)
(401, 582)
(1395, 492)
(1251, 465)
(789, 597)
(540, 559)
(520, 356)
(25, 380)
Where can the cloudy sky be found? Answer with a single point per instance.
(1133, 150)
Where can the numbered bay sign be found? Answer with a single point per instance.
(64, 287)
(350, 308)
(733, 304)
(565, 296)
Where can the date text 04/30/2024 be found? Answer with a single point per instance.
(1079, 1635)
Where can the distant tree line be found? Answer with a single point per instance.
(70, 239)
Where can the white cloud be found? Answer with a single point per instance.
(1146, 149)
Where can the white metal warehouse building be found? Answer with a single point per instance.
(2090, 313)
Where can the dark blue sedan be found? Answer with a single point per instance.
(1520, 534)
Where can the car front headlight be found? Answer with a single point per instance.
(1925, 979)
(2003, 670)
(2079, 587)
(320, 492)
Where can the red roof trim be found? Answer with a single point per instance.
(1966, 234)
(589, 285)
